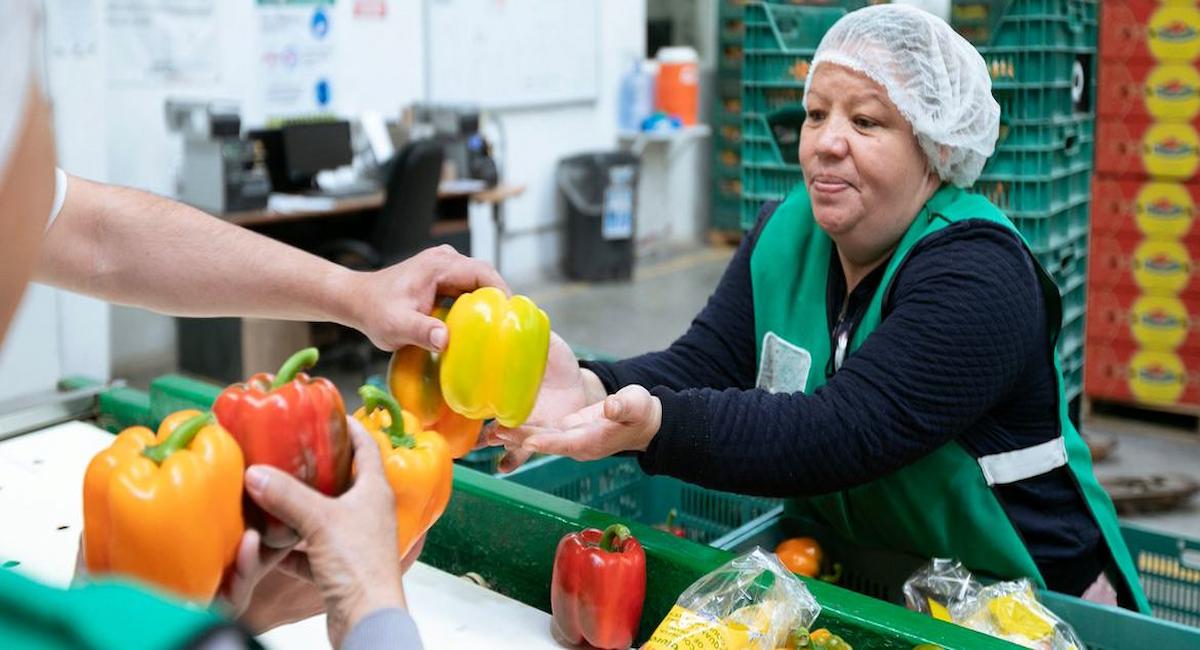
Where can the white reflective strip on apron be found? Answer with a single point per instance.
(1014, 466)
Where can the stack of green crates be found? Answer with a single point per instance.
(727, 118)
(1040, 54)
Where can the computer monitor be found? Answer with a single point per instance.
(312, 147)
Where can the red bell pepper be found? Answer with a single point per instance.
(295, 423)
(598, 587)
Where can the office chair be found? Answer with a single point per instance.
(403, 225)
(401, 230)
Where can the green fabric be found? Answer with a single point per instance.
(941, 505)
(101, 615)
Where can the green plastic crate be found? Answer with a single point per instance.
(1066, 24)
(1061, 145)
(881, 574)
(1018, 196)
(619, 487)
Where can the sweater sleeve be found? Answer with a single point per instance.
(957, 337)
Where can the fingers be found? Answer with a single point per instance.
(367, 461)
(282, 495)
(581, 443)
(296, 564)
(253, 562)
(421, 330)
(455, 273)
(630, 405)
(514, 458)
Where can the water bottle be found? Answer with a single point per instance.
(636, 100)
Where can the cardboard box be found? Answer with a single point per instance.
(1150, 91)
(1131, 374)
(1141, 148)
(1158, 267)
(1132, 319)
(1146, 209)
(1145, 30)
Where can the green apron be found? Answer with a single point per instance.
(102, 615)
(943, 504)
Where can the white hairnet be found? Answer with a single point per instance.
(936, 79)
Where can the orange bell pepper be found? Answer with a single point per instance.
(801, 555)
(417, 464)
(166, 508)
(414, 382)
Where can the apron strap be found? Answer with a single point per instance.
(1018, 465)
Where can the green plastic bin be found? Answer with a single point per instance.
(619, 487)
(1165, 566)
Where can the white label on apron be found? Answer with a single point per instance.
(784, 367)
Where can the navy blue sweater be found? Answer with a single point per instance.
(962, 353)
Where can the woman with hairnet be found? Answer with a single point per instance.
(881, 347)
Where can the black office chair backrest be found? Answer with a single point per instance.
(410, 201)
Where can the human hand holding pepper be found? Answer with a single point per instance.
(350, 541)
(403, 295)
(566, 388)
(627, 420)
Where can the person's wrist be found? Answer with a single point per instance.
(343, 301)
(652, 425)
(377, 598)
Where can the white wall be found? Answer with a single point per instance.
(379, 66)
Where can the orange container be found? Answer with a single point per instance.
(678, 86)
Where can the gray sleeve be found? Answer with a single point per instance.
(384, 628)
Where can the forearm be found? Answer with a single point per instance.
(131, 247)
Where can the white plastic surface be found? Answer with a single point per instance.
(41, 490)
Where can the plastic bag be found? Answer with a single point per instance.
(1011, 611)
(750, 603)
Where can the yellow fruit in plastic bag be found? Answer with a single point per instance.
(1015, 616)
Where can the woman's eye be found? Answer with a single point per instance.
(865, 123)
(816, 116)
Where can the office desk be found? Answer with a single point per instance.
(493, 197)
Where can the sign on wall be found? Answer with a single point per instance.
(297, 40)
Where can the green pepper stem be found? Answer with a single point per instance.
(618, 532)
(180, 438)
(302, 360)
(671, 518)
(373, 397)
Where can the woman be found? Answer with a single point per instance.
(881, 347)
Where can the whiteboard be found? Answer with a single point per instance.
(511, 53)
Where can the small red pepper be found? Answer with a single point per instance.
(598, 587)
(670, 527)
(295, 423)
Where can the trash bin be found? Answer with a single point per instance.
(596, 192)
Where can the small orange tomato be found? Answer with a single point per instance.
(800, 555)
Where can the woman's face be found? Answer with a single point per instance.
(865, 173)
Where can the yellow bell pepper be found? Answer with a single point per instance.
(417, 464)
(494, 363)
(166, 508)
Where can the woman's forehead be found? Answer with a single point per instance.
(831, 81)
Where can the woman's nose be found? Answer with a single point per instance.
(831, 140)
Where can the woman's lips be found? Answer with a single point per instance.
(829, 184)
